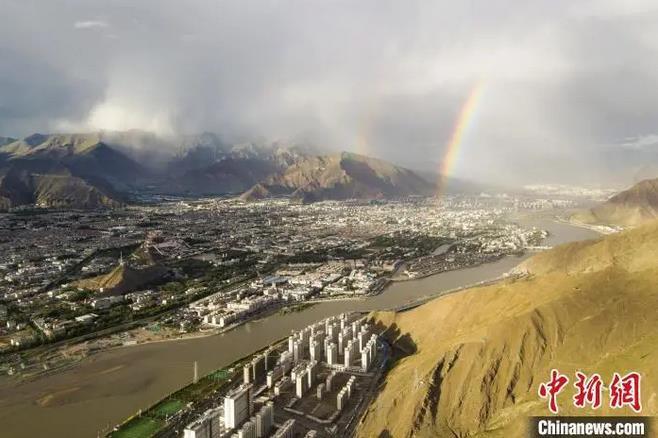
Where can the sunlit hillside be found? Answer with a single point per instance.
(470, 363)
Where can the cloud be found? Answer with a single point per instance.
(90, 24)
(640, 142)
(564, 80)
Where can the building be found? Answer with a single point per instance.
(356, 327)
(365, 360)
(349, 354)
(341, 399)
(287, 430)
(332, 354)
(258, 369)
(207, 426)
(311, 373)
(270, 359)
(301, 384)
(237, 406)
(264, 420)
(282, 385)
(298, 351)
(286, 361)
(246, 374)
(315, 351)
(349, 385)
(368, 353)
(329, 380)
(248, 430)
(273, 376)
(345, 393)
(332, 332)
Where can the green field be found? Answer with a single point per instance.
(166, 408)
(138, 427)
(154, 419)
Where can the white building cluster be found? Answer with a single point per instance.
(234, 311)
(345, 393)
(209, 425)
(326, 348)
(287, 430)
(258, 426)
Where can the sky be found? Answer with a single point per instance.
(569, 89)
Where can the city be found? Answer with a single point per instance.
(200, 267)
(328, 219)
(312, 384)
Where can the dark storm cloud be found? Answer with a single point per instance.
(568, 85)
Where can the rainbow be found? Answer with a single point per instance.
(466, 115)
(364, 133)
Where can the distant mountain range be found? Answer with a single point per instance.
(631, 207)
(102, 170)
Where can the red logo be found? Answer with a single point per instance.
(624, 391)
(589, 391)
(552, 388)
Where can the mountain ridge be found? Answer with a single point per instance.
(339, 176)
(116, 165)
(631, 207)
(469, 364)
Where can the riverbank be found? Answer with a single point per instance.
(109, 386)
(175, 408)
(601, 229)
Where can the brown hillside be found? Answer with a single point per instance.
(342, 176)
(123, 279)
(631, 207)
(478, 357)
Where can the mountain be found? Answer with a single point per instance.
(85, 155)
(470, 363)
(47, 184)
(100, 169)
(216, 169)
(68, 171)
(341, 176)
(628, 208)
(6, 140)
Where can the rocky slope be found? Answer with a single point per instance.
(341, 176)
(73, 171)
(470, 363)
(123, 279)
(56, 188)
(100, 166)
(628, 208)
(121, 162)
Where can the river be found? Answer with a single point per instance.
(109, 386)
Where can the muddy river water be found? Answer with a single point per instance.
(109, 386)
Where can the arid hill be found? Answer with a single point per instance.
(341, 176)
(631, 207)
(123, 279)
(470, 363)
